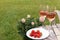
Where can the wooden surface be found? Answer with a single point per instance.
(54, 32)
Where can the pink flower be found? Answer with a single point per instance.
(41, 19)
(32, 23)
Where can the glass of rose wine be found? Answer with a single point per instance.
(42, 17)
(43, 12)
(51, 17)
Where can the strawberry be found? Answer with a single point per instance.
(38, 32)
(32, 33)
(38, 36)
(35, 34)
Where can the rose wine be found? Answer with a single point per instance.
(43, 13)
(51, 16)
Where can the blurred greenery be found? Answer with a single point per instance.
(11, 11)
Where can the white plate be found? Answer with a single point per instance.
(45, 33)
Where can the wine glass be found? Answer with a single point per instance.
(51, 17)
(43, 13)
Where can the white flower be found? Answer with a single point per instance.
(41, 19)
(28, 16)
(23, 20)
(32, 23)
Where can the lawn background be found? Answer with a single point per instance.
(11, 11)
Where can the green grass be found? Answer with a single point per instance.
(12, 11)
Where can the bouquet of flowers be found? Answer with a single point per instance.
(27, 23)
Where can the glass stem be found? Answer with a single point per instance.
(44, 25)
(51, 24)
